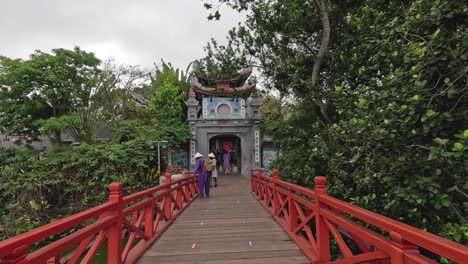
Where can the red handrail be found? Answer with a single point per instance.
(129, 225)
(296, 209)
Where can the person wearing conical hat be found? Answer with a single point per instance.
(214, 173)
(200, 171)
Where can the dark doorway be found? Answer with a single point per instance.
(232, 145)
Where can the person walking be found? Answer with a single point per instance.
(214, 173)
(226, 162)
(209, 168)
(200, 171)
(233, 160)
(219, 160)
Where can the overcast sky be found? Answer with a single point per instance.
(131, 31)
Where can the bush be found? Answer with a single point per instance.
(34, 191)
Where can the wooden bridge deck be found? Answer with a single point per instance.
(229, 227)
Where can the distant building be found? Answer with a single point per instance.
(224, 115)
(10, 141)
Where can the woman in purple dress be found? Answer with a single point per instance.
(226, 162)
(200, 171)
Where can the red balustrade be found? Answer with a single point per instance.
(129, 224)
(310, 216)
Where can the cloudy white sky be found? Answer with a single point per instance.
(131, 31)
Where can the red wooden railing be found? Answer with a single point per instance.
(310, 216)
(129, 224)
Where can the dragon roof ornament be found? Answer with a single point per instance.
(238, 84)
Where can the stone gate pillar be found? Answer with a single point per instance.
(192, 116)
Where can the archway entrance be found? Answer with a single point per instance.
(232, 145)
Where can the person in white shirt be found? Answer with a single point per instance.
(214, 173)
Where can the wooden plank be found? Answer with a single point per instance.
(221, 257)
(226, 247)
(266, 235)
(229, 227)
(217, 239)
(282, 260)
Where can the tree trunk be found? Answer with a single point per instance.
(321, 106)
(322, 7)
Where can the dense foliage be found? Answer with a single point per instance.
(45, 86)
(386, 119)
(34, 191)
(70, 91)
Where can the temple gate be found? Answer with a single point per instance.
(225, 115)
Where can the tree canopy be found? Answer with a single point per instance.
(44, 86)
(72, 91)
(385, 117)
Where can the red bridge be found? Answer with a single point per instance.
(229, 228)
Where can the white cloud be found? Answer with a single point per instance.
(134, 32)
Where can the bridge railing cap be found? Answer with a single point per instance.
(116, 187)
(320, 181)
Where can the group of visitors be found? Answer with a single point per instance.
(206, 170)
(227, 160)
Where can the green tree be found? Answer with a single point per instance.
(120, 90)
(44, 86)
(65, 180)
(386, 119)
(37, 188)
(163, 117)
(170, 93)
(288, 41)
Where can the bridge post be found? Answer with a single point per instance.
(401, 247)
(292, 212)
(323, 236)
(276, 202)
(149, 219)
(261, 194)
(252, 188)
(168, 198)
(187, 186)
(114, 240)
(16, 255)
(275, 174)
(180, 194)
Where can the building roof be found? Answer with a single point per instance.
(238, 84)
